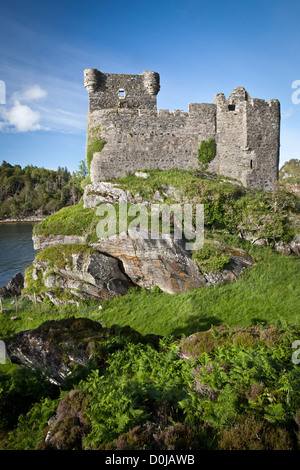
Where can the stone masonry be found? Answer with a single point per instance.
(123, 113)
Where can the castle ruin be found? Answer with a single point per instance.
(123, 115)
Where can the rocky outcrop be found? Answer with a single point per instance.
(13, 287)
(132, 258)
(166, 263)
(55, 347)
(281, 247)
(154, 262)
(239, 260)
(83, 275)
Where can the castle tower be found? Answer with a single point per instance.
(247, 139)
(115, 91)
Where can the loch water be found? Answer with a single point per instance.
(16, 249)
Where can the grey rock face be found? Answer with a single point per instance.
(295, 245)
(13, 287)
(105, 192)
(134, 258)
(40, 242)
(166, 263)
(91, 276)
(54, 347)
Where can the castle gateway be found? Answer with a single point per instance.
(127, 133)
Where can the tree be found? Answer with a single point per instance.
(82, 171)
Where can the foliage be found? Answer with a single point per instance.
(290, 172)
(138, 380)
(19, 390)
(211, 258)
(29, 432)
(234, 396)
(271, 216)
(94, 144)
(206, 152)
(73, 220)
(34, 191)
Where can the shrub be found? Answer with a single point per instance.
(211, 258)
(206, 152)
(255, 435)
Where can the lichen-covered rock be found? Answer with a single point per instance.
(134, 257)
(96, 275)
(13, 287)
(55, 346)
(105, 192)
(295, 245)
(166, 263)
(75, 272)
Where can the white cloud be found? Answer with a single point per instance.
(34, 92)
(20, 117)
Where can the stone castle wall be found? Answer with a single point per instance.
(123, 113)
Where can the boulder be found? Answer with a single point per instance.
(56, 346)
(239, 261)
(13, 287)
(283, 248)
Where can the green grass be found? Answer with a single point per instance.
(189, 182)
(28, 316)
(71, 220)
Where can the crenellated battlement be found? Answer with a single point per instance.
(123, 114)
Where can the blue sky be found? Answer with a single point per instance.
(199, 48)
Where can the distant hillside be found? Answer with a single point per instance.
(289, 175)
(37, 192)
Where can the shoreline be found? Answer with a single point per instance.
(22, 221)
